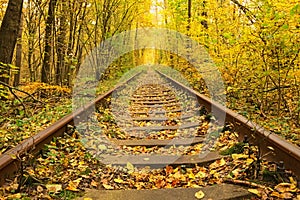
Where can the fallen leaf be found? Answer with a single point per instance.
(286, 195)
(271, 148)
(275, 194)
(254, 191)
(236, 172)
(238, 156)
(72, 185)
(102, 147)
(218, 163)
(249, 161)
(293, 181)
(285, 187)
(192, 176)
(201, 174)
(130, 167)
(160, 183)
(54, 187)
(15, 196)
(94, 183)
(200, 194)
(108, 187)
(118, 180)
(169, 169)
(87, 199)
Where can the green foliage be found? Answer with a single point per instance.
(5, 71)
(19, 127)
(236, 148)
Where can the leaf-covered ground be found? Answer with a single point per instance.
(69, 164)
(283, 125)
(21, 120)
(65, 168)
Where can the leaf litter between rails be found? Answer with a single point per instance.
(66, 166)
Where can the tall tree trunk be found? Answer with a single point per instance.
(61, 46)
(189, 15)
(19, 54)
(204, 14)
(46, 70)
(165, 14)
(9, 33)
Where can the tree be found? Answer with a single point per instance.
(61, 44)
(46, 69)
(19, 54)
(8, 35)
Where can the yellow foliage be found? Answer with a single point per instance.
(36, 88)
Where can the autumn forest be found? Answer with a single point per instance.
(254, 44)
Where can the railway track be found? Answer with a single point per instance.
(154, 121)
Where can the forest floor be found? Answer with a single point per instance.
(49, 103)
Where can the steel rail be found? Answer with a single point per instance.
(10, 161)
(282, 150)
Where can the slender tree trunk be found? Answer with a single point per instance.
(189, 15)
(19, 54)
(46, 70)
(9, 34)
(204, 14)
(31, 32)
(165, 15)
(61, 46)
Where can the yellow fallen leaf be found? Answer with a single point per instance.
(94, 183)
(200, 194)
(54, 187)
(87, 199)
(236, 172)
(191, 176)
(254, 191)
(72, 185)
(108, 187)
(275, 194)
(15, 196)
(298, 197)
(293, 181)
(217, 163)
(285, 187)
(212, 172)
(130, 167)
(238, 156)
(222, 162)
(118, 180)
(193, 185)
(249, 161)
(201, 174)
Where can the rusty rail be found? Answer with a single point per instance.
(283, 150)
(9, 164)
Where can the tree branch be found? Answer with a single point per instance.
(13, 88)
(246, 11)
